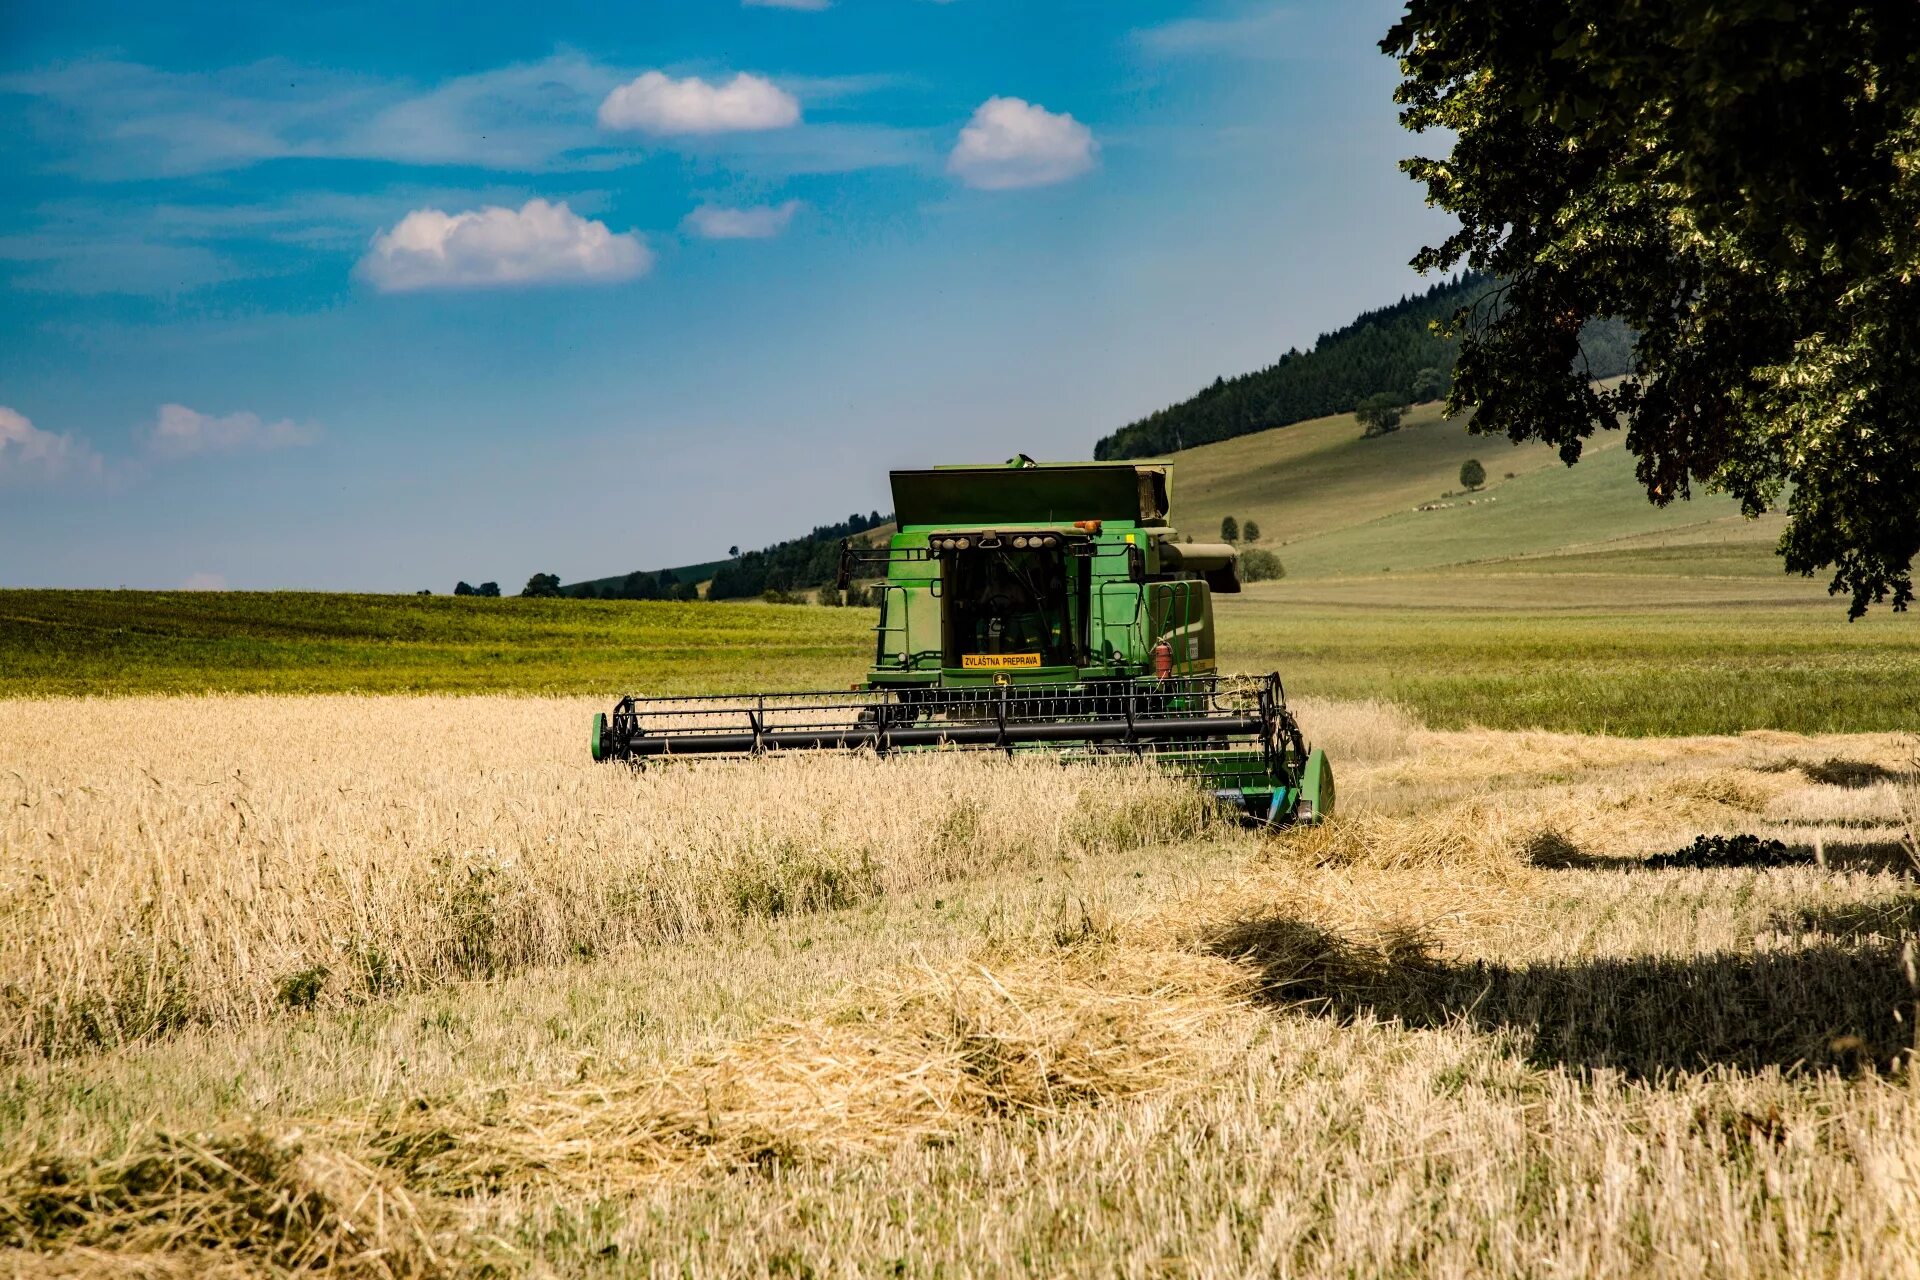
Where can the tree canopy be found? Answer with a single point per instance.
(1381, 412)
(1739, 181)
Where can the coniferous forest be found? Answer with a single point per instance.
(792, 565)
(1393, 350)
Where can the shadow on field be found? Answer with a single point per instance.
(1855, 855)
(1835, 772)
(1830, 1004)
(1885, 918)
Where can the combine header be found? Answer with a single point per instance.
(1025, 608)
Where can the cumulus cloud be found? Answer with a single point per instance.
(658, 104)
(1012, 143)
(539, 243)
(180, 432)
(29, 453)
(713, 222)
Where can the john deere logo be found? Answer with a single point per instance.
(998, 661)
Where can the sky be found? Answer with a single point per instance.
(382, 297)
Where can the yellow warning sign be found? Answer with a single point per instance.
(998, 661)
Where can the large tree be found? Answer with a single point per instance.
(1739, 180)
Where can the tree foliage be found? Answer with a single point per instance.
(1472, 474)
(1250, 531)
(1738, 181)
(1381, 413)
(1260, 565)
(542, 585)
(1428, 384)
(1229, 529)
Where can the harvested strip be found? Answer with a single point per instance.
(237, 1202)
(914, 1057)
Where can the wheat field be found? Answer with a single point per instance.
(405, 986)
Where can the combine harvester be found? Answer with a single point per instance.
(1029, 607)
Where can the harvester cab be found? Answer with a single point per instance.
(1028, 607)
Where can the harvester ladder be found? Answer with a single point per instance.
(1177, 637)
(882, 655)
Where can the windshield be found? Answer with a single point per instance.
(1010, 602)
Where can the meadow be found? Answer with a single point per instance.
(405, 986)
(1599, 648)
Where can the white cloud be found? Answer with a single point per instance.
(180, 432)
(540, 243)
(27, 452)
(812, 5)
(1011, 143)
(1256, 33)
(658, 104)
(712, 222)
(204, 582)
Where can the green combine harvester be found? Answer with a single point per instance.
(1028, 607)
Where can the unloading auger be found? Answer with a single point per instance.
(1030, 607)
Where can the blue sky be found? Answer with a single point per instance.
(376, 297)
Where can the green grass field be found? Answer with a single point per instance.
(1585, 652)
(106, 642)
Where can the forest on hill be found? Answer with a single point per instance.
(1391, 351)
(794, 565)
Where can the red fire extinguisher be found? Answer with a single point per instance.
(1162, 660)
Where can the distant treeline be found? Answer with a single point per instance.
(790, 566)
(1389, 351)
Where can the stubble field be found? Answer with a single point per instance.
(405, 986)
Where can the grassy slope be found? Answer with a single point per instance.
(1559, 598)
(1332, 502)
(1321, 475)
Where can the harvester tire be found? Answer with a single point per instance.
(599, 736)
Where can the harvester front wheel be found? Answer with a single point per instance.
(599, 735)
(1316, 789)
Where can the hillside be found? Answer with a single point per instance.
(1332, 502)
(615, 586)
(1392, 350)
(1381, 350)
(793, 565)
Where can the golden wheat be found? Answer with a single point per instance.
(220, 860)
(1461, 1031)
